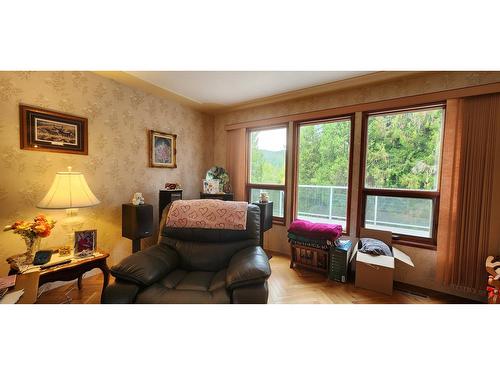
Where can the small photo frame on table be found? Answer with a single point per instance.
(211, 186)
(85, 242)
(50, 131)
(162, 150)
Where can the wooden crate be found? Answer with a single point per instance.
(309, 257)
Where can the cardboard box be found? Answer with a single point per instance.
(376, 272)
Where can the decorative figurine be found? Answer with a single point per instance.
(137, 199)
(64, 250)
(493, 268)
(264, 197)
(172, 186)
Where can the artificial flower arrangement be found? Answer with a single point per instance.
(32, 232)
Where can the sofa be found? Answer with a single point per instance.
(195, 265)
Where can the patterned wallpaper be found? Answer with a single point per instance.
(117, 163)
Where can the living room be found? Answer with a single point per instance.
(226, 182)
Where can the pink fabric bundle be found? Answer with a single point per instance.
(208, 214)
(320, 231)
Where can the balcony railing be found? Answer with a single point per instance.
(328, 204)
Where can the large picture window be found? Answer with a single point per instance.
(323, 171)
(400, 175)
(267, 167)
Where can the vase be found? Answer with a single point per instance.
(32, 246)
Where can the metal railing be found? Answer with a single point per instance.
(276, 196)
(329, 204)
(322, 202)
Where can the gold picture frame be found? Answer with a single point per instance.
(162, 149)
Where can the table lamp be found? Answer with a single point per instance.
(69, 191)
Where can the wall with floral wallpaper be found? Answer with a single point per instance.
(117, 161)
(425, 260)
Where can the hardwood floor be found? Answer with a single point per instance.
(69, 293)
(302, 286)
(285, 286)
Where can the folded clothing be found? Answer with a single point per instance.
(310, 244)
(374, 247)
(318, 241)
(320, 231)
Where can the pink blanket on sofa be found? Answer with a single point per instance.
(208, 214)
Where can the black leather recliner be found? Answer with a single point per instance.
(190, 265)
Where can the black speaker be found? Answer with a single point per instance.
(137, 223)
(166, 197)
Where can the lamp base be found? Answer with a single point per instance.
(71, 223)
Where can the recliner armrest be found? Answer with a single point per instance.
(147, 266)
(120, 292)
(248, 266)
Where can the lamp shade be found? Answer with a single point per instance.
(68, 190)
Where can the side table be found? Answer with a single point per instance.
(29, 283)
(73, 270)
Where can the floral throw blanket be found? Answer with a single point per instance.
(208, 214)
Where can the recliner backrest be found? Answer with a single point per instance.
(210, 249)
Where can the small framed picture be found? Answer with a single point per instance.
(162, 150)
(45, 130)
(211, 186)
(85, 242)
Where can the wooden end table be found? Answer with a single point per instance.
(29, 283)
(73, 270)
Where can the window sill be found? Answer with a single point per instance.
(420, 245)
(278, 221)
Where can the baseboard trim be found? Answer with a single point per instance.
(411, 289)
(424, 292)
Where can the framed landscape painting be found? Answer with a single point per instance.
(46, 130)
(162, 150)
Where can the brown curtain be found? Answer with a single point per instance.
(450, 176)
(466, 190)
(236, 161)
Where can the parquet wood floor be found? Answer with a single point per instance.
(285, 286)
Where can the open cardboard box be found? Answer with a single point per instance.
(377, 272)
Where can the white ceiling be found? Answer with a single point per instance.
(228, 88)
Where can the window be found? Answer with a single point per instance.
(400, 179)
(323, 158)
(267, 167)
